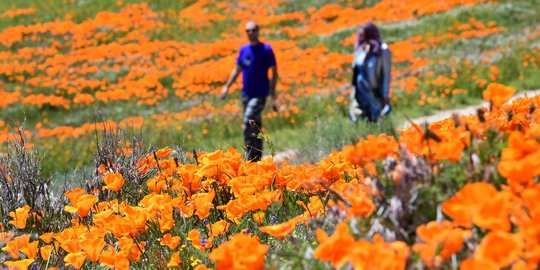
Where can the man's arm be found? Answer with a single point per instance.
(230, 81)
(273, 82)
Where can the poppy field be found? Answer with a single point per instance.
(117, 152)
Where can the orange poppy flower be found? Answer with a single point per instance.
(478, 263)
(170, 241)
(203, 203)
(530, 201)
(30, 249)
(114, 181)
(73, 195)
(19, 265)
(175, 260)
(70, 245)
(520, 161)
(498, 94)
(466, 202)
(248, 184)
(122, 262)
(108, 257)
(20, 215)
(314, 208)
(156, 184)
(500, 247)
(373, 147)
(45, 252)
(12, 248)
(334, 249)
(195, 237)
(378, 255)
(76, 259)
(242, 251)
(5, 236)
(258, 217)
(200, 267)
(441, 241)
(220, 227)
(236, 208)
(164, 152)
(83, 205)
(46, 237)
(495, 214)
(93, 248)
(131, 250)
(522, 265)
(280, 231)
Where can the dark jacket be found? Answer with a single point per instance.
(378, 76)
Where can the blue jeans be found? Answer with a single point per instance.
(369, 104)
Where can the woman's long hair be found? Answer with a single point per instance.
(369, 33)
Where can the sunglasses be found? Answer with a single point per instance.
(249, 31)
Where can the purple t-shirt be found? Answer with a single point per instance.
(255, 62)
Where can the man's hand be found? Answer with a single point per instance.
(230, 81)
(275, 106)
(224, 92)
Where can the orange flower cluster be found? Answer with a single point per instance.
(531, 60)
(371, 148)
(342, 248)
(9, 98)
(520, 114)
(443, 140)
(21, 245)
(446, 139)
(507, 218)
(471, 29)
(40, 100)
(87, 55)
(332, 16)
(520, 161)
(240, 252)
(189, 189)
(506, 215)
(12, 13)
(197, 15)
(441, 241)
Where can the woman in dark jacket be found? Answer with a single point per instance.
(371, 75)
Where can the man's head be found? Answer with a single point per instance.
(252, 32)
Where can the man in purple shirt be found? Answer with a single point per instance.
(254, 60)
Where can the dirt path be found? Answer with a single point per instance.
(290, 154)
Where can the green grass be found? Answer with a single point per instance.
(323, 126)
